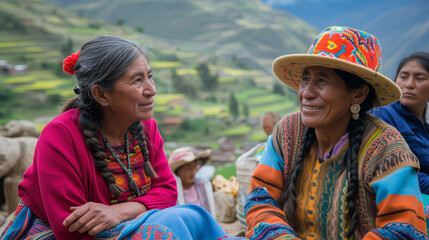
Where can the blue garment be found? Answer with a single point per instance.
(415, 133)
(187, 221)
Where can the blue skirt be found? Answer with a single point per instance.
(179, 222)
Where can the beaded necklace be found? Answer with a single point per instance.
(128, 170)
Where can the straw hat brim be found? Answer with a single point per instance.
(289, 69)
(175, 165)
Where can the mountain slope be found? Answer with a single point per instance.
(243, 28)
(402, 27)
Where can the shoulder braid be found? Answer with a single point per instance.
(90, 129)
(136, 130)
(288, 198)
(356, 129)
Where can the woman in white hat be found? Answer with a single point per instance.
(331, 171)
(185, 164)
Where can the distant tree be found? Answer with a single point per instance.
(120, 22)
(183, 86)
(6, 96)
(67, 48)
(209, 81)
(278, 88)
(96, 24)
(233, 105)
(251, 81)
(9, 22)
(206, 128)
(186, 124)
(140, 29)
(245, 110)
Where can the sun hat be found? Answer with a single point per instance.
(185, 155)
(343, 48)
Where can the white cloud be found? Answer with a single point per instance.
(284, 3)
(280, 3)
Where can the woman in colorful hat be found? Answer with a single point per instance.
(410, 115)
(331, 171)
(191, 190)
(99, 168)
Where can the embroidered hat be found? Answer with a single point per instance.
(184, 155)
(344, 48)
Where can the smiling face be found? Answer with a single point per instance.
(324, 99)
(413, 80)
(132, 95)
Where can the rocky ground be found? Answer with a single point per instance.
(234, 229)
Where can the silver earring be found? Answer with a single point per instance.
(105, 104)
(355, 108)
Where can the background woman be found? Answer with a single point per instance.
(185, 165)
(410, 115)
(99, 168)
(331, 171)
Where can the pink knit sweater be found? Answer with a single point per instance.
(63, 174)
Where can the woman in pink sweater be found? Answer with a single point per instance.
(99, 168)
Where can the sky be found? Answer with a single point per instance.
(324, 13)
(401, 26)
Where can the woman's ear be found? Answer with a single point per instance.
(99, 95)
(360, 94)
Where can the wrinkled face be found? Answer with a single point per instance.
(132, 96)
(267, 125)
(324, 100)
(413, 79)
(187, 173)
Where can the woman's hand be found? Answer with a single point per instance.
(92, 218)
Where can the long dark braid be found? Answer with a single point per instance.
(138, 134)
(288, 197)
(90, 134)
(101, 62)
(356, 129)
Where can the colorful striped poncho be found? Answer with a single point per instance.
(389, 201)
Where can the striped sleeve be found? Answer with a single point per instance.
(400, 207)
(264, 218)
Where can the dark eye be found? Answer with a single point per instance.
(403, 76)
(322, 80)
(305, 78)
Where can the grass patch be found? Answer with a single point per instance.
(234, 131)
(13, 44)
(278, 107)
(176, 110)
(162, 99)
(166, 64)
(186, 71)
(226, 171)
(243, 96)
(41, 85)
(214, 110)
(258, 136)
(266, 99)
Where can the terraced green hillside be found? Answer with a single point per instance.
(39, 35)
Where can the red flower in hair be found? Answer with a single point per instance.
(69, 62)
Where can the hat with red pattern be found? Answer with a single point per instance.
(343, 48)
